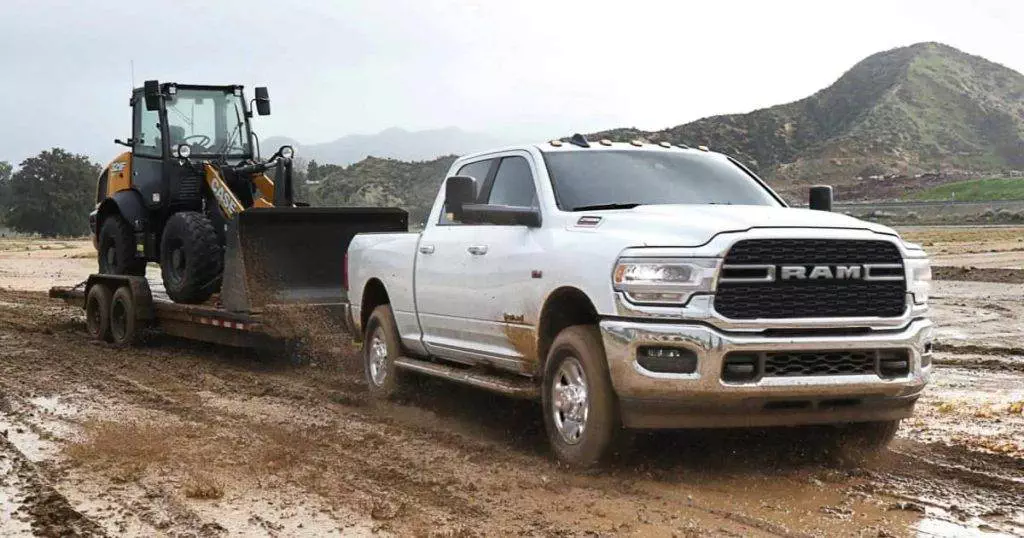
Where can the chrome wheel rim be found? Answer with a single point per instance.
(378, 358)
(570, 403)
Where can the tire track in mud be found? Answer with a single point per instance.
(43, 508)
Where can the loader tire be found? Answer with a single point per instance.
(116, 252)
(191, 258)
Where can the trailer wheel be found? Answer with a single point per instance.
(580, 409)
(97, 312)
(380, 349)
(116, 254)
(125, 328)
(191, 258)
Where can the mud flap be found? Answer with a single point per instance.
(287, 257)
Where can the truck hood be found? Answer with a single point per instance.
(695, 225)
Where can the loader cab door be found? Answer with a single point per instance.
(149, 148)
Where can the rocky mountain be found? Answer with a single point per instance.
(896, 122)
(392, 143)
(924, 110)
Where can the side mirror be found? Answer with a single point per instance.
(502, 215)
(262, 101)
(821, 197)
(458, 192)
(151, 92)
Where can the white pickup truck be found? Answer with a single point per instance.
(637, 286)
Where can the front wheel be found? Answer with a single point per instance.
(191, 258)
(580, 409)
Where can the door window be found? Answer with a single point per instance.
(513, 184)
(477, 171)
(147, 131)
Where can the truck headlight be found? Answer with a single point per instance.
(919, 274)
(664, 281)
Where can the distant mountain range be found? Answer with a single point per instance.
(895, 123)
(394, 143)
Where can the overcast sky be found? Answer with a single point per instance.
(522, 68)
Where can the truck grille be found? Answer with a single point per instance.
(751, 366)
(748, 297)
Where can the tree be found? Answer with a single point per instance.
(5, 187)
(52, 194)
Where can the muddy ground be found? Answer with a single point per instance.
(179, 439)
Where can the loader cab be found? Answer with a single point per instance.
(212, 121)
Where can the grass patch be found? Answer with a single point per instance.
(203, 485)
(977, 190)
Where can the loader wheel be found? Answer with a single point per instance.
(380, 349)
(117, 248)
(97, 312)
(191, 258)
(125, 329)
(580, 409)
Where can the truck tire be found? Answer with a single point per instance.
(580, 408)
(863, 440)
(191, 258)
(116, 251)
(125, 329)
(381, 347)
(97, 312)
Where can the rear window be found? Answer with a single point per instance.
(586, 178)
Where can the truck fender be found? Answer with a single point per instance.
(126, 203)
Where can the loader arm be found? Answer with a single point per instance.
(228, 202)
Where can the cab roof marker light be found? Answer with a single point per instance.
(636, 143)
(703, 148)
(683, 146)
(605, 142)
(556, 143)
(664, 144)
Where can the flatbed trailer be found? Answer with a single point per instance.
(282, 284)
(126, 321)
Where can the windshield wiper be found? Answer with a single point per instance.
(598, 207)
(227, 145)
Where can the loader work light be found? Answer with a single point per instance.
(286, 151)
(183, 151)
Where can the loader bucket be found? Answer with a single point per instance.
(286, 256)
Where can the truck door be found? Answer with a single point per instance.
(502, 274)
(444, 303)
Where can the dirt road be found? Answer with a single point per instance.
(183, 440)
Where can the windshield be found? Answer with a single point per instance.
(611, 179)
(212, 122)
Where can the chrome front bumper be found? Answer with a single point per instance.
(702, 399)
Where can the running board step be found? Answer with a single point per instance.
(494, 383)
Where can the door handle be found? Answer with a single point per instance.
(427, 249)
(477, 250)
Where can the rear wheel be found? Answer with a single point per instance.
(125, 329)
(116, 254)
(580, 410)
(191, 258)
(97, 312)
(380, 349)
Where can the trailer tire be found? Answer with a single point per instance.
(191, 258)
(581, 412)
(381, 347)
(116, 248)
(97, 312)
(125, 329)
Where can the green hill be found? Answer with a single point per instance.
(979, 190)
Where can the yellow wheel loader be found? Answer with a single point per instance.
(194, 195)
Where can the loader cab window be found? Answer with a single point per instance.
(211, 121)
(479, 171)
(146, 131)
